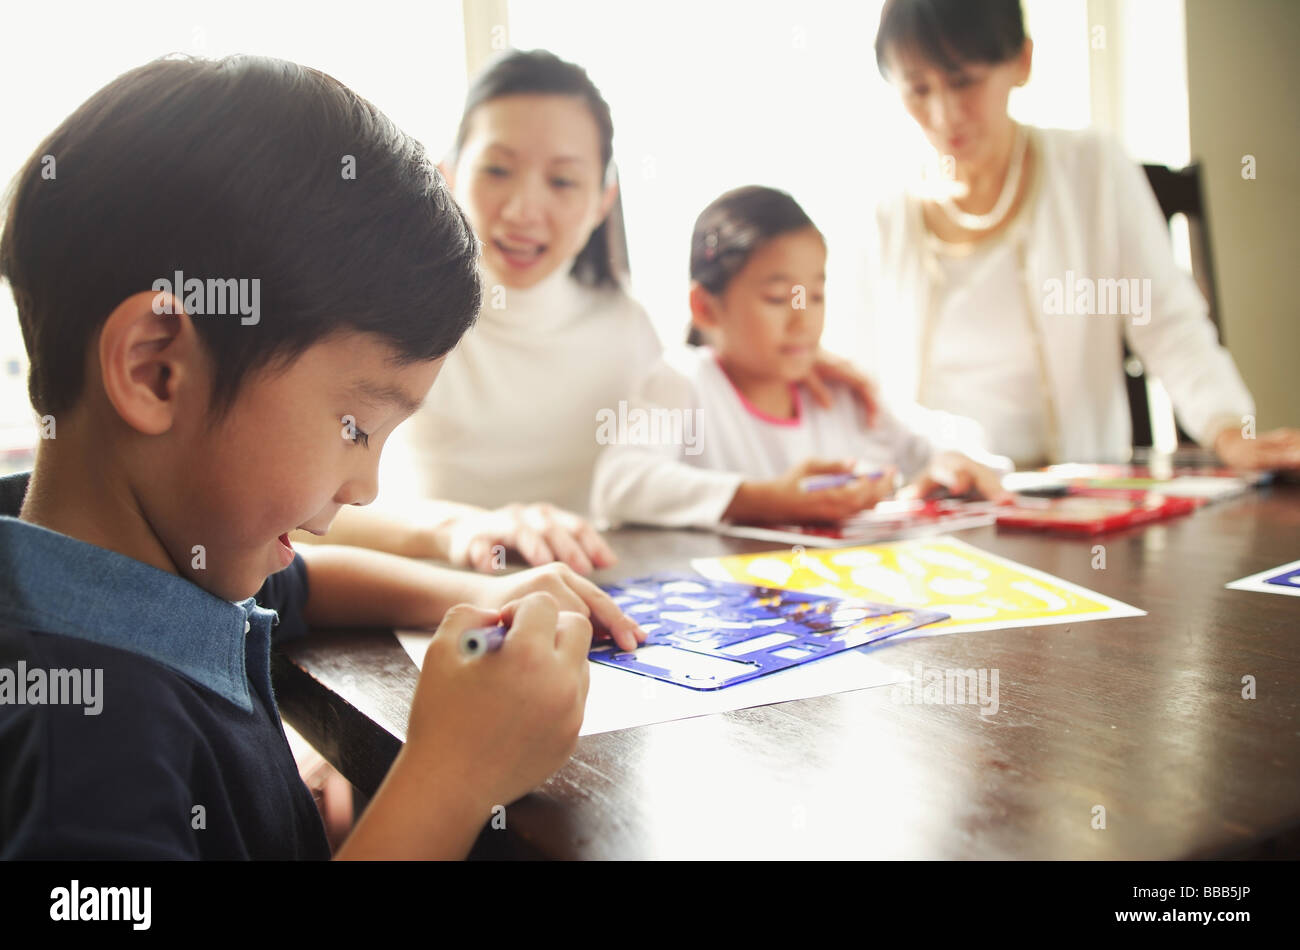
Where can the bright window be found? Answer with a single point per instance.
(407, 58)
(708, 96)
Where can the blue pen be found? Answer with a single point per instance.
(822, 482)
(479, 640)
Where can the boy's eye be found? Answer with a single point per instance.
(350, 431)
(496, 171)
(564, 183)
(775, 301)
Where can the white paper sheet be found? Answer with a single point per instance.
(619, 699)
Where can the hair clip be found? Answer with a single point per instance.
(711, 245)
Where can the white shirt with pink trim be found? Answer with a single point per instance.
(676, 452)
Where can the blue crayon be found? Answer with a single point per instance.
(479, 640)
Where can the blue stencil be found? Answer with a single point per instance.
(1287, 579)
(707, 634)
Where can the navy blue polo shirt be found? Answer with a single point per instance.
(165, 740)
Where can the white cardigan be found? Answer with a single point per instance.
(1094, 216)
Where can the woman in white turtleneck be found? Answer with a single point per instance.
(502, 452)
(513, 413)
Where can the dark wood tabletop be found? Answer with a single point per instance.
(1142, 716)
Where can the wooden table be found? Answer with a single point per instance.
(1143, 716)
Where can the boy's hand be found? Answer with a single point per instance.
(483, 731)
(961, 476)
(570, 592)
(508, 719)
(541, 533)
(785, 499)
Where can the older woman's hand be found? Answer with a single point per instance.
(1275, 449)
(830, 370)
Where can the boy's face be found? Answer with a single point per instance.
(529, 177)
(299, 443)
(770, 316)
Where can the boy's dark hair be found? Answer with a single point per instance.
(540, 72)
(232, 169)
(949, 33)
(732, 228)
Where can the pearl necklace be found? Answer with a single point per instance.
(985, 222)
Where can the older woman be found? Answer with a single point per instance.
(1007, 297)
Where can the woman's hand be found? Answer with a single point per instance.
(787, 500)
(570, 592)
(541, 533)
(1275, 449)
(829, 370)
(961, 476)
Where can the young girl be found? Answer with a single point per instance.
(725, 431)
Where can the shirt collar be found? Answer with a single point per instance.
(52, 583)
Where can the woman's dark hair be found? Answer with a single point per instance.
(524, 72)
(244, 168)
(949, 33)
(732, 228)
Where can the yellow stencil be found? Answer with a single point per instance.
(980, 590)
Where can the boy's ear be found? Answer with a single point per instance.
(149, 354)
(704, 307)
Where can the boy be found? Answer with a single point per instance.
(234, 279)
